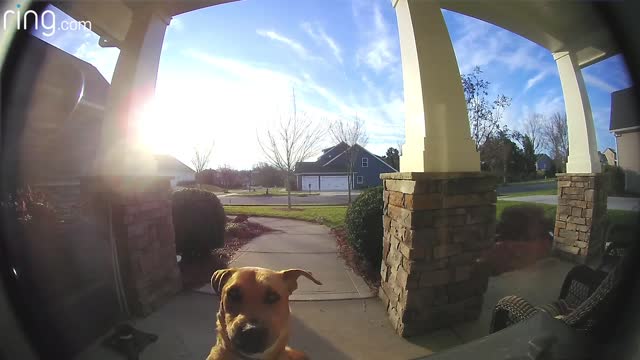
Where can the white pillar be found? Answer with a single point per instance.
(583, 149)
(436, 124)
(132, 86)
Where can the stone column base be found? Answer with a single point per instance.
(580, 217)
(142, 229)
(437, 229)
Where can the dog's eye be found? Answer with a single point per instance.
(271, 298)
(234, 295)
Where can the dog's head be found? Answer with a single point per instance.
(254, 305)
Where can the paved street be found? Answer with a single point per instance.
(516, 188)
(615, 203)
(328, 198)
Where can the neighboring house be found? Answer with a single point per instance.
(330, 171)
(63, 124)
(611, 156)
(543, 162)
(167, 165)
(603, 159)
(625, 126)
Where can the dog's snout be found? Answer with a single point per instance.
(252, 338)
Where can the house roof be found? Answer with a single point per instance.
(623, 110)
(609, 149)
(66, 102)
(325, 165)
(542, 156)
(317, 167)
(167, 163)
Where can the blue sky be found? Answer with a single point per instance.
(228, 71)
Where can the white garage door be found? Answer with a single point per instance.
(309, 183)
(333, 183)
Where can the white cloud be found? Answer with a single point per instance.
(318, 34)
(381, 49)
(104, 59)
(176, 24)
(536, 79)
(238, 83)
(599, 83)
(292, 44)
(479, 43)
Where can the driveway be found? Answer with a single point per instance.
(299, 244)
(614, 203)
(328, 198)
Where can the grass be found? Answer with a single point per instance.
(331, 216)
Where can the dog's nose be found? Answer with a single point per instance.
(252, 339)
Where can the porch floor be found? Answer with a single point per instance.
(341, 329)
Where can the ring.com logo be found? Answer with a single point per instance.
(46, 22)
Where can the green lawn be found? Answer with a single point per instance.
(332, 216)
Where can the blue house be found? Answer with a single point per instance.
(543, 162)
(331, 171)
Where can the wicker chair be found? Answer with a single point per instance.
(584, 298)
(624, 236)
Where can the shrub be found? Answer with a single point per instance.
(364, 225)
(186, 183)
(614, 180)
(524, 222)
(199, 222)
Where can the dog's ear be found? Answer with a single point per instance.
(219, 278)
(291, 278)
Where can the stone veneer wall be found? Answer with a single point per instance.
(438, 228)
(580, 216)
(142, 227)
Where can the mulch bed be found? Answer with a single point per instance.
(360, 266)
(511, 255)
(240, 231)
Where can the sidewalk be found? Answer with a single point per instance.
(299, 244)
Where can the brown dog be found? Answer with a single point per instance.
(253, 319)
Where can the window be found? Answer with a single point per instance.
(365, 162)
(359, 179)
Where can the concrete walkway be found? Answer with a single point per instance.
(299, 244)
(343, 329)
(614, 203)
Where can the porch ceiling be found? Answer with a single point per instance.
(555, 25)
(111, 19)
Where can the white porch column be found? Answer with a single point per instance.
(132, 86)
(436, 124)
(583, 151)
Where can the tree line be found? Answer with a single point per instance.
(509, 153)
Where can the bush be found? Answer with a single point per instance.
(364, 225)
(199, 222)
(524, 222)
(614, 180)
(186, 183)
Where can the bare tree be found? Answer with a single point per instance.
(484, 115)
(294, 139)
(556, 136)
(533, 128)
(354, 135)
(200, 160)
